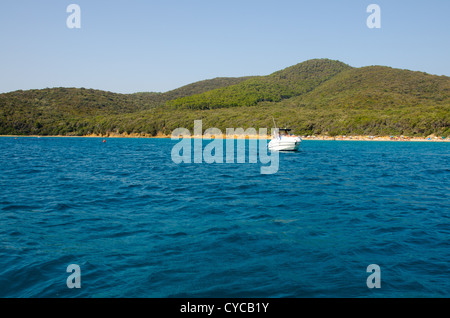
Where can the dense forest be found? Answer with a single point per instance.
(318, 96)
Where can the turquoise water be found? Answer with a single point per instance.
(139, 225)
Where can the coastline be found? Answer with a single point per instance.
(430, 138)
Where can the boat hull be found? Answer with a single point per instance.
(284, 145)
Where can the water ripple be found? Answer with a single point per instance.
(140, 225)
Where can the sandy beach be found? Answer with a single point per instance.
(431, 138)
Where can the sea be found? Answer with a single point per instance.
(119, 218)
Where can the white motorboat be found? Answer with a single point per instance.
(282, 140)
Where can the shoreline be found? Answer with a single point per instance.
(430, 138)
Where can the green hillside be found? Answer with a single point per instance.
(314, 97)
(204, 86)
(75, 111)
(292, 81)
(378, 100)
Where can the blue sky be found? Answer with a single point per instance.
(159, 45)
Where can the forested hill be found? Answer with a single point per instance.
(318, 96)
(292, 81)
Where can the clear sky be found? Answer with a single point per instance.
(159, 45)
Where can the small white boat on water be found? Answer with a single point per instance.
(282, 140)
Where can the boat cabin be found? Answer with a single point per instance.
(284, 131)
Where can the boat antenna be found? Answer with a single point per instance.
(274, 122)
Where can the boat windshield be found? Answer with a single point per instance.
(282, 132)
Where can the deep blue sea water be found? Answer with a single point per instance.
(139, 225)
